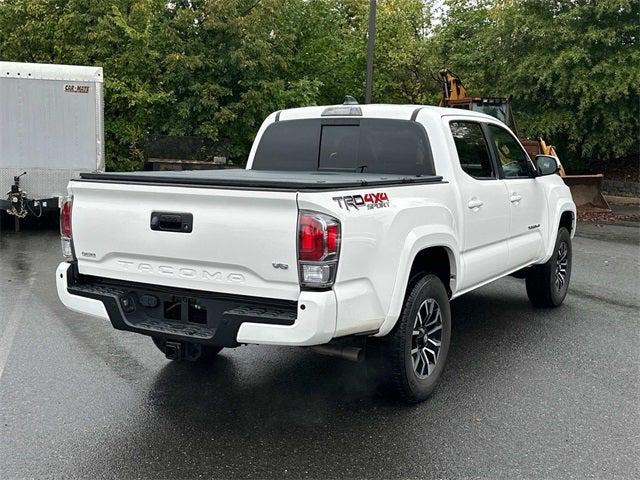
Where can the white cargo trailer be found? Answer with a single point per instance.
(51, 127)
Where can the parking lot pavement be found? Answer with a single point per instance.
(526, 394)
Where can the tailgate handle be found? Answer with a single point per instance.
(172, 222)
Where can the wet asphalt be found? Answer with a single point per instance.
(526, 394)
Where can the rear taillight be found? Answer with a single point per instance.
(318, 249)
(66, 232)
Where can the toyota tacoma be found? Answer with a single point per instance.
(350, 231)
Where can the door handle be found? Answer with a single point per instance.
(515, 198)
(172, 222)
(475, 204)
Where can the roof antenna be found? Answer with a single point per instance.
(349, 100)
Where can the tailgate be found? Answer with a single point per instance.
(231, 246)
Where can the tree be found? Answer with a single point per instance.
(405, 59)
(213, 69)
(573, 67)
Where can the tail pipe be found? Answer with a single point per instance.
(354, 354)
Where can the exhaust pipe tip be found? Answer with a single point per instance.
(353, 354)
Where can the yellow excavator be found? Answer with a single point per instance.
(585, 189)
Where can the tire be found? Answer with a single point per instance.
(548, 284)
(207, 352)
(404, 350)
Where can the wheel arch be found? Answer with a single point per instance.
(568, 221)
(437, 260)
(565, 216)
(436, 253)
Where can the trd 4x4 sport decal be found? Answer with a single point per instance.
(368, 201)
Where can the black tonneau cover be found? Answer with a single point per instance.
(260, 179)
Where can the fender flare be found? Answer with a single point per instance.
(418, 239)
(563, 206)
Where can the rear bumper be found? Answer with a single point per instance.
(197, 316)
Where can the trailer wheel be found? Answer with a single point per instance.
(413, 355)
(192, 352)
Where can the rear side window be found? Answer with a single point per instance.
(473, 150)
(367, 145)
(289, 145)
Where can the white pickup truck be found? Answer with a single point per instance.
(351, 227)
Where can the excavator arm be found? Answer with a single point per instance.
(452, 87)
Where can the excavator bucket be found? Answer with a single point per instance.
(586, 191)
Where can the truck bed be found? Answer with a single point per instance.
(260, 179)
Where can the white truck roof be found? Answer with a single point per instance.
(41, 71)
(404, 112)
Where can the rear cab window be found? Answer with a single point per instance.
(368, 145)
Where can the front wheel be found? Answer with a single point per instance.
(548, 284)
(414, 353)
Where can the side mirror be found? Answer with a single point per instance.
(547, 164)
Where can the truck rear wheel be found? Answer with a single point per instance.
(192, 352)
(414, 353)
(547, 284)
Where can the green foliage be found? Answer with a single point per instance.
(405, 60)
(572, 66)
(214, 68)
